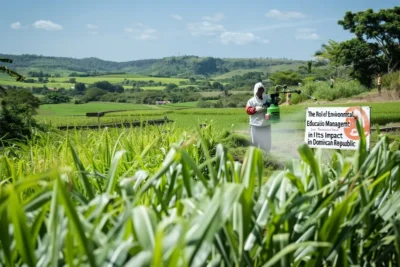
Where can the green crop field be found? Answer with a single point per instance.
(7, 81)
(170, 193)
(381, 113)
(153, 88)
(186, 194)
(106, 162)
(81, 109)
(125, 75)
(90, 80)
(217, 93)
(63, 82)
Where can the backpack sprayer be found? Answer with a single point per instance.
(273, 105)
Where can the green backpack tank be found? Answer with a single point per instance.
(274, 113)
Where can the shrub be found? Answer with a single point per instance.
(391, 82)
(79, 101)
(285, 77)
(322, 91)
(17, 108)
(55, 98)
(204, 104)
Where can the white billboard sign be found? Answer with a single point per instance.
(335, 127)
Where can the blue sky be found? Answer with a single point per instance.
(122, 30)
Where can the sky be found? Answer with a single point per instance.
(122, 30)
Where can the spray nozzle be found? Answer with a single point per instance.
(284, 87)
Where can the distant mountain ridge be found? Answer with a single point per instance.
(178, 66)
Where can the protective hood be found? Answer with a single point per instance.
(258, 118)
(256, 87)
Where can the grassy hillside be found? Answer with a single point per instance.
(183, 66)
(289, 65)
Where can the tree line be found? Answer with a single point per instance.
(375, 47)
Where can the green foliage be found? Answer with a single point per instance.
(80, 87)
(108, 87)
(218, 86)
(205, 104)
(285, 77)
(16, 108)
(21, 101)
(180, 199)
(55, 98)
(206, 66)
(171, 87)
(245, 81)
(362, 56)
(38, 74)
(16, 114)
(391, 81)
(5, 69)
(329, 52)
(375, 47)
(309, 66)
(141, 97)
(381, 27)
(93, 94)
(184, 66)
(323, 91)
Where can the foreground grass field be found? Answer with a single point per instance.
(175, 195)
(167, 196)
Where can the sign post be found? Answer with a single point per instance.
(335, 127)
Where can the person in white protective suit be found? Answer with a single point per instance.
(260, 127)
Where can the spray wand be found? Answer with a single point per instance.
(273, 106)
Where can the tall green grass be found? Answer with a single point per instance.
(391, 82)
(181, 200)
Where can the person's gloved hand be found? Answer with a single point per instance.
(260, 109)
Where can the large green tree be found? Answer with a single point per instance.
(375, 47)
(17, 108)
(329, 52)
(381, 28)
(285, 77)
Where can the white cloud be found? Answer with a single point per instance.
(142, 32)
(91, 26)
(289, 25)
(146, 37)
(177, 17)
(276, 14)
(205, 28)
(15, 25)
(307, 34)
(239, 38)
(47, 25)
(215, 18)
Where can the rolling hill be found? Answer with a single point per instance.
(182, 66)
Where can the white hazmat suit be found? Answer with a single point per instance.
(260, 127)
